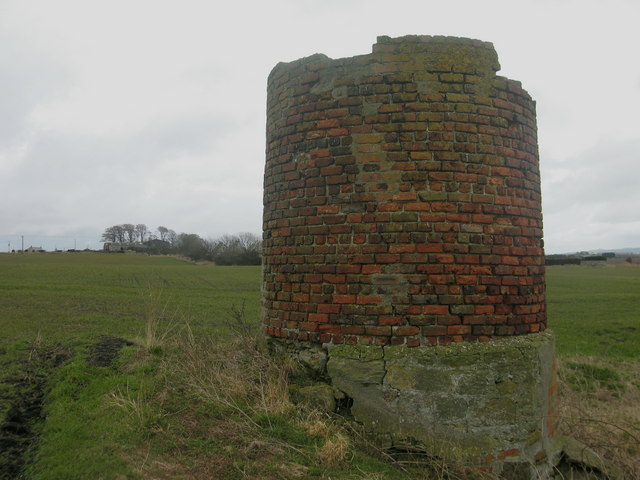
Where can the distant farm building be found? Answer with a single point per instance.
(115, 247)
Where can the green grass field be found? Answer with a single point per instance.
(67, 296)
(162, 409)
(595, 310)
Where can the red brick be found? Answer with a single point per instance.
(344, 298)
(329, 123)
(387, 258)
(318, 317)
(389, 207)
(368, 300)
(435, 309)
(439, 279)
(434, 330)
(390, 320)
(402, 248)
(430, 248)
(348, 268)
(326, 328)
(458, 329)
(371, 269)
(377, 330)
(484, 309)
(353, 329)
(328, 308)
(406, 331)
(320, 153)
(466, 279)
(334, 278)
(338, 132)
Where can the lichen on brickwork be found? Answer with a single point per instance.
(402, 198)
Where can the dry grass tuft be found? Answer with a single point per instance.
(135, 404)
(293, 470)
(158, 322)
(234, 373)
(600, 408)
(317, 428)
(335, 451)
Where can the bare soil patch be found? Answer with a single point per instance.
(19, 430)
(105, 350)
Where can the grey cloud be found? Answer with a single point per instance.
(591, 200)
(192, 135)
(173, 169)
(602, 175)
(26, 79)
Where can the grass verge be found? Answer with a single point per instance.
(599, 407)
(196, 407)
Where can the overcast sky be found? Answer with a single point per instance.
(151, 111)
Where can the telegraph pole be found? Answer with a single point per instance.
(22, 251)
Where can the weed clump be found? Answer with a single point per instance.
(158, 322)
(599, 407)
(587, 377)
(234, 372)
(248, 385)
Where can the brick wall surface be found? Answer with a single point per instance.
(401, 198)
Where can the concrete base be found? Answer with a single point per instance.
(488, 404)
(491, 405)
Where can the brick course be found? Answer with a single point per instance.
(401, 198)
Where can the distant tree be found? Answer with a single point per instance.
(129, 232)
(251, 248)
(172, 237)
(141, 231)
(192, 246)
(156, 246)
(121, 233)
(162, 231)
(240, 249)
(114, 234)
(109, 235)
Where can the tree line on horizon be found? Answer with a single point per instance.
(239, 249)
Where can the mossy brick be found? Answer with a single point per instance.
(319, 396)
(357, 352)
(373, 102)
(453, 409)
